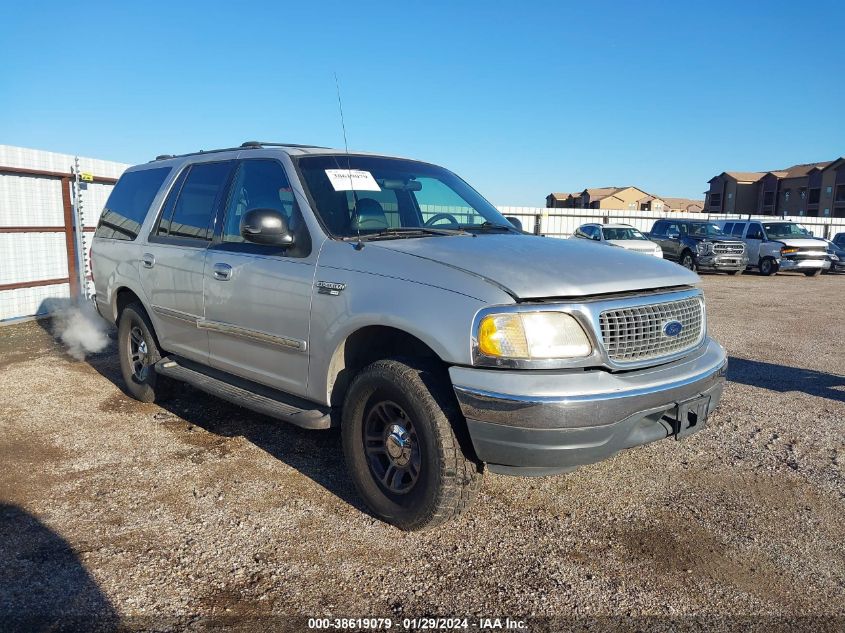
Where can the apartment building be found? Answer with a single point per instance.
(606, 198)
(683, 205)
(811, 189)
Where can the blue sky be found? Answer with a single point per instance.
(519, 98)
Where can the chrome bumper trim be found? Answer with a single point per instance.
(621, 397)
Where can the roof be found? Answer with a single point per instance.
(682, 202)
(796, 171)
(599, 193)
(560, 196)
(752, 176)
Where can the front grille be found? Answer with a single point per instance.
(728, 249)
(636, 334)
(806, 255)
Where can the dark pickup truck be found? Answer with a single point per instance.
(699, 245)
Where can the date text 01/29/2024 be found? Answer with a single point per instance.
(417, 624)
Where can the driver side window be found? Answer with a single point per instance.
(755, 232)
(259, 184)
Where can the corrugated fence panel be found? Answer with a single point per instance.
(32, 257)
(29, 301)
(29, 201)
(563, 222)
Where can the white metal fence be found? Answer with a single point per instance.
(563, 222)
(37, 249)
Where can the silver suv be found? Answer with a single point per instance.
(387, 297)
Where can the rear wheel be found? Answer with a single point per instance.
(813, 273)
(400, 433)
(138, 352)
(687, 260)
(768, 266)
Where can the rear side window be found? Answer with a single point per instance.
(129, 202)
(197, 201)
(737, 230)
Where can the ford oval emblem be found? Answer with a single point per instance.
(672, 328)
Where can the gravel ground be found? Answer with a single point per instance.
(198, 514)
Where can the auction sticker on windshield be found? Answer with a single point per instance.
(352, 180)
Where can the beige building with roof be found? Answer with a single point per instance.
(810, 189)
(607, 198)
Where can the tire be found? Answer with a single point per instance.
(768, 266)
(734, 272)
(139, 351)
(412, 471)
(687, 260)
(813, 273)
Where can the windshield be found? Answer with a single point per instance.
(370, 195)
(622, 233)
(705, 229)
(785, 229)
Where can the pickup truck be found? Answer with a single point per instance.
(387, 297)
(699, 245)
(775, 245)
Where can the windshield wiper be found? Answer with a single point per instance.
(406, 231)
(488, 226)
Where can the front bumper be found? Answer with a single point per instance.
(722, 262)
(544, 422)
(785, 263)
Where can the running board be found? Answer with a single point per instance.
(247, 394)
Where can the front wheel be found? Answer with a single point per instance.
(813, 273)
(400, 432)
(687, 260)
(768, 267)
(734, 272)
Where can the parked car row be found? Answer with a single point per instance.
(730, 246)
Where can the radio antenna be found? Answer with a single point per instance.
(359, 245)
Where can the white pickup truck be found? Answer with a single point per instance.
(774, 245)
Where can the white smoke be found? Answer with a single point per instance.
(81, 329)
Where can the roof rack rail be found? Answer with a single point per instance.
(246, 145)
(259, 144)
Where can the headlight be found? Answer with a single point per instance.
(704, 248)
(788, 250)
(532, 335)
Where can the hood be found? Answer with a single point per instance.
(532, 267)
(635, 245)
(712, 238)
(802, 242)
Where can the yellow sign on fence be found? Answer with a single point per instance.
(86, 177)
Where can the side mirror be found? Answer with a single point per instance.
(754, 236)
(266, 226)
(673, 235)
(515, 221)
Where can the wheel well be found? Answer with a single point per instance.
(366, 346)
(124, 298)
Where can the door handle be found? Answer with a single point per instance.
(148, 260)
(222, 272)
